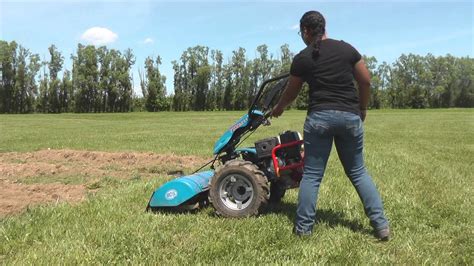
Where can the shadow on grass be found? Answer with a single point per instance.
(332, 218)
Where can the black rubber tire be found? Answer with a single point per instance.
(256, 177)
(277, 192)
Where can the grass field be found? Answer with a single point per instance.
(421, 160)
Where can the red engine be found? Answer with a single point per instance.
(282, 157)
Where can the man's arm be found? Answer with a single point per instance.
(289, 95)
(362, 76)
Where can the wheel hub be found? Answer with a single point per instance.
(239, 191)
(236, 192)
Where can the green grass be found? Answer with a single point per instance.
(421, 160)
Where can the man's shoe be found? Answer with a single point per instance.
(300, 233)
(383, 234)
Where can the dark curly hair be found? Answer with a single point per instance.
(316, 24)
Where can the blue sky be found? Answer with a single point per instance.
(384, 29)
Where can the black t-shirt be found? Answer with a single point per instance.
(330, 76)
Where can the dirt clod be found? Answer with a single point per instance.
(49, 176)
(16, 197)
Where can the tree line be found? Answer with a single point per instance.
(101, 80)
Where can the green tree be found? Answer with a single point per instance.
(301, 102)
(55, 65)
(8, 60)
(32, 90)
(262, 68)
(216, 91)
(229, 93)
(375, 101)
(42, 101)
(178, 97)
(66, 92)
(384, 83)
(105, 79)
(201, 83)
(240, 79)
(465, 96)
(125, 88)
(154, 86)
(192, 76)
(20, 88)
(285, 59)
(85, 78)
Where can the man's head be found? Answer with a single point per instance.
(313, 29)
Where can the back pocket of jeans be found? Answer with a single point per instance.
(316, 126)
(354, 125)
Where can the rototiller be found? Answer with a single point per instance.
(244, 179)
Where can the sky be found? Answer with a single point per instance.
(383, 29)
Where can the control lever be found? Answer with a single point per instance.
(266, 122)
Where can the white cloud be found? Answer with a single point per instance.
(99, 36)
(148, 41)
(295, 27)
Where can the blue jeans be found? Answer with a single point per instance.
(320, 129)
